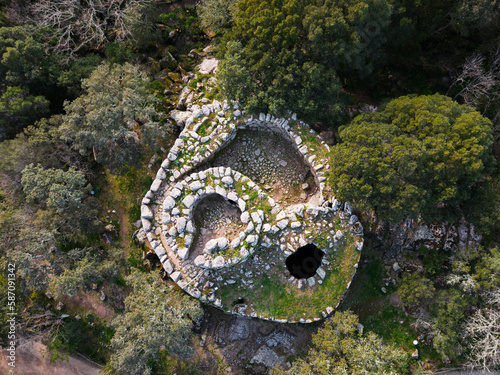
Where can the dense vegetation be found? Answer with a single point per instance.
(422, 155)
(86, 87)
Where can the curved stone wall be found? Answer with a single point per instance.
(234, 265)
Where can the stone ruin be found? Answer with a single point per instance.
(251, 268)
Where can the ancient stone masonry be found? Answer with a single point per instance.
(243, 271)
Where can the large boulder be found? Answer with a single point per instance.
(210, 247)
(208, 65)
(180, 117)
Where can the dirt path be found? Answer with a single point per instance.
(124, 235)
(30, 361)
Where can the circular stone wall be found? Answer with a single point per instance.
(246, 272)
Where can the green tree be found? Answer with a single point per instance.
(417, 155)
(216, 14)
(470, 16)
(60, 189)
(292, 55)
(156, 318)
(87, 266)
(30, 78)
(449, 312)
(115, 118)
(415, 289)
(19, 109)
(338, 348)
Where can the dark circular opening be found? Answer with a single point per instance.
(305, 261)
(238, 301)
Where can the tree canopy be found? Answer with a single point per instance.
(156, 318)
(418, 155)
(293, 55)
(60, 189)
(339, 348)
(115, 118)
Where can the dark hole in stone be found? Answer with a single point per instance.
(238, 301)
(305, 261)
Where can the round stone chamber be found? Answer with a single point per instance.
(241, 218)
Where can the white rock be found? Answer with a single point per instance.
(168, 203)
(199, 260)
(161, 175)
(176, 276)
(188, 201)
(338, 235)
(282, 224)
(256, 218)
(168, 267)
(210, 247)
(180, 117)
(222, 243)
(218, 262)
(155, 185)
(252, 239)
(321, 272)
(235, 243)
(227, 180)
(241, 204)
(175, 193)
(245, 217)
(183, 253)
(146, 224)
(281, 216)
(295, 224)
(250, 227)
(180, 224)
(208, 65)
(190, 227)
(311, 281)
(196, 185)
(146, 212)
(172, 231)
(232, 196)
(165, 164)
(266, 228)
(221, 191)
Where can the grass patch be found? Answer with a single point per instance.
(273, 296)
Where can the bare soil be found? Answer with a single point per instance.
(31, 360)
(89, 301)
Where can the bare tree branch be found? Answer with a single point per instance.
(483, 328)
(75, 24)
